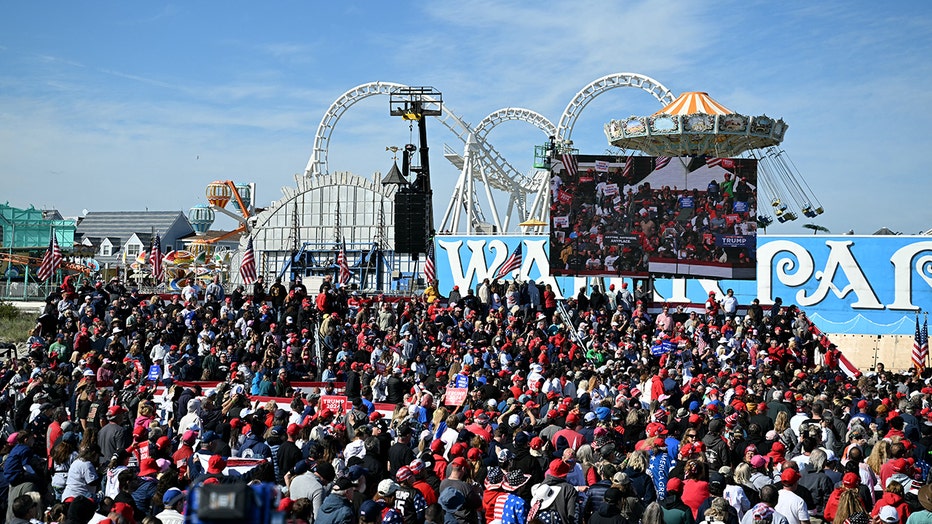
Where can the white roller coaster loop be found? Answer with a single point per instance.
(481, 162)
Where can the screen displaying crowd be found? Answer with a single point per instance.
(127, 406)
(624, 216)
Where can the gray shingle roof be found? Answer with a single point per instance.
(122, 224)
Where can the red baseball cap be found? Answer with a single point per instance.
(216, 464)
(851, 480)
(558, 468)
(790, 476)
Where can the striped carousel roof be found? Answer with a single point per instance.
(693, 102)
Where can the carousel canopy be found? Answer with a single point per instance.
(693, 102)
(695, 124)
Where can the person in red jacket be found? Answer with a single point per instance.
(656, 384)
(695, 488)
(894, 496)
(849, 482)
(437, 447)
(185, 451)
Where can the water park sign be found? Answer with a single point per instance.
(847, 284)
(867, 285)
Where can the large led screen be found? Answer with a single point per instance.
(669, 216)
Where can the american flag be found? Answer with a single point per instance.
(155, 258)
(247, 267)
(430, 270)
(234, 464)
(919, 361)
(712, 162)
(661, 162)
(512, 263)
(629, 164)
(569, 163)
(51, 261)
(924, 343)
(343, 265)
(843, 363)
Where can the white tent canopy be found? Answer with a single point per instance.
(674, 175)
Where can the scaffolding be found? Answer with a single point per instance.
(29, 229)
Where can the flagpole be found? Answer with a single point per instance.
(917, 343)
(54, 242)
(918, 366)
(925, 334)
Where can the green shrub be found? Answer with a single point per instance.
(15, 325)
(8, 311)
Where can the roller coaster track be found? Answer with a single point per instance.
(504, 176)
(36, 262)
(607, 83)
(494, 169)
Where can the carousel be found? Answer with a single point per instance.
(701, 131)
(209, 253)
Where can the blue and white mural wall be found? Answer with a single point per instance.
(847, 284)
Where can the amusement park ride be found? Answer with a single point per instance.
(691, 127)
(219, 194)
(692, 124)
(204, 260)
(35, 262)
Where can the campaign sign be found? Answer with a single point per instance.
(335, 403)
(601, 166)
(455, 396)
(664, 347)
(155, 371)
(735, 240)
(461, 381)
(613, 239)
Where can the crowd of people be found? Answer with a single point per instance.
(607, 223)
(605, 411)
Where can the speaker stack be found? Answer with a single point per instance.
(411, 210)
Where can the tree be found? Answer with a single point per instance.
(816, 228)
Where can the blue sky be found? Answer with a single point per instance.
(126, 105)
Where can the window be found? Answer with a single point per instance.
(106, 250)
(132, 251)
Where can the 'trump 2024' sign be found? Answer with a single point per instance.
(847, 284)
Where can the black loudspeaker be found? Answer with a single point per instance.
(411, 222)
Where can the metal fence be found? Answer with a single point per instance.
(29, 292)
